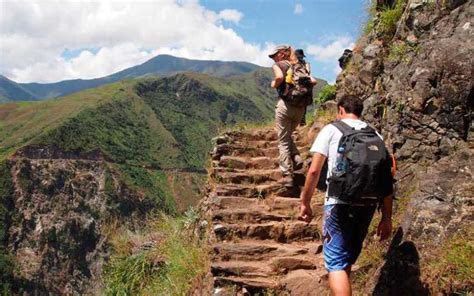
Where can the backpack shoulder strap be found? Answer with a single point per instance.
(343, 127)
(284, 65)
(308, 67)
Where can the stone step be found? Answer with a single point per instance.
(283, 232)
(249, 176)
(259, 250)
(282, 265)
(267, 268)
(271, 152)
(239, 150)
(303, 282)
(256, 191)
(234, 202)
(268, 134)
(242, 268)
(248, 215)
(253, 284)
(237, 162)
(301, 144)
(291, 206)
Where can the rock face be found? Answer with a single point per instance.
(59, 211)
(417, 87)
(258, 244)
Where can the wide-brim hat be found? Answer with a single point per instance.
(278, 48)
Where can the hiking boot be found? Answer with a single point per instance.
(286, 181)
(297, 162)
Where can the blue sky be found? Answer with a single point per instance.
(320, 22)
(68, 39)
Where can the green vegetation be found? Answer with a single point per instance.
(124, 129)
(384, 22)
(22, 122)
(193, 106)
(173, 259)
(371, 9)
(399, 51)
(389, 18)
(162, 122)
(152, 184)
(149, 131)
(327, 93)
(450, 269)
(6, 192)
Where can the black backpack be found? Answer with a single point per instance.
(362, 173)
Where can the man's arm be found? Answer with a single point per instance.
(312, 179)
(278, 74)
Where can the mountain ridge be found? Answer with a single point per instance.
(161, 65)
(12, 91)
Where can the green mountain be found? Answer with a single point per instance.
(12, 91)
(160, 123)
(162, 65)
(115, 152)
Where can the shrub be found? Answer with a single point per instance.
(388, 19)
(328, 92)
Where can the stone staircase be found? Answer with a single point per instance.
(259, 245)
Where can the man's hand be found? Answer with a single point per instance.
(384, 230)
(306, 214)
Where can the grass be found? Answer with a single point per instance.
(384, 22)
(450, 268)
(399, 51)
(389, 18)
(168, 267)
(325, 116)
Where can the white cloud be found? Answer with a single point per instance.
(34, 34)
(86, 65)
(332, 51)
(298, 8)
(231, 15)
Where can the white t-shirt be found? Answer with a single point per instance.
(327, 142)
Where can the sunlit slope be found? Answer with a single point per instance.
(160, 122)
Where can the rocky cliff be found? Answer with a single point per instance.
(60, 209)
(413, 68)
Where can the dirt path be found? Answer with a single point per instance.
(260, 247)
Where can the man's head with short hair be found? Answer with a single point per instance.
(350, 104)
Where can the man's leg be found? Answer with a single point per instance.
(337, 247)
(340, 282)
(283, 128)
(297, 113)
